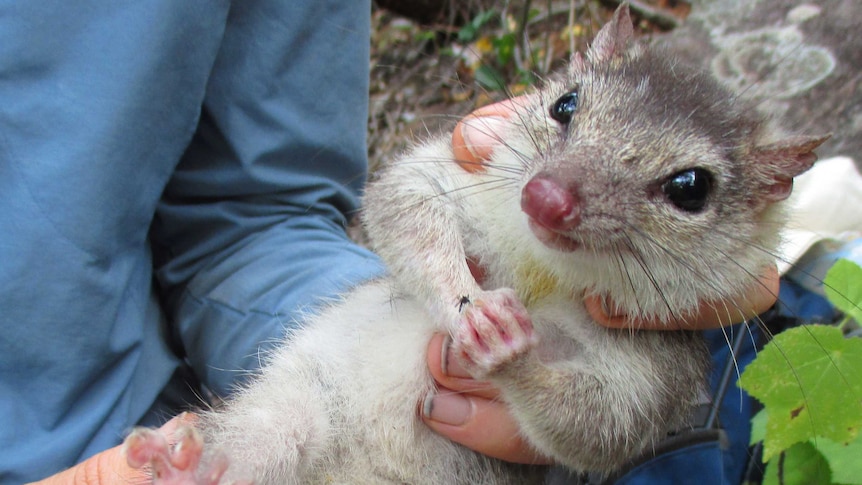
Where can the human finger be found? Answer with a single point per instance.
(477, 135)
(469, 412)
(758, 298)
(483, 425)
(448, 373)
(110, 466)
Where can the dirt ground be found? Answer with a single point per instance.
(424, 77)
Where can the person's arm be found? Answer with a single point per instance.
(250, 229)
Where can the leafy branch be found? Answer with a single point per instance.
(809, 380)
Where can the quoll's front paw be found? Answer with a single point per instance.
(177, 464)
(495, 331)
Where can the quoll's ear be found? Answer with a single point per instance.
(779, 162)
(613, 38)
(577, 64)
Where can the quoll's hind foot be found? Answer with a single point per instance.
(177, 464)
(495, 330)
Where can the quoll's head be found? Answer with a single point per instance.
(656, 165)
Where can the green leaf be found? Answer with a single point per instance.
(758, 426)
(490, 78)
(469, 32)
(845, 459)
(526, 77)
(505, 47)
(843, 287)
(809, 378)
(426, 35)
(801, 465)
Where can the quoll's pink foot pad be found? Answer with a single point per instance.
(495, 331)
(177, 464)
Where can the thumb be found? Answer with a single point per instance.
(109, 466)
(477, 135)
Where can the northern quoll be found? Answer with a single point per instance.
(628, 175)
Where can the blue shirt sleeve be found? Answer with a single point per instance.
(217, 146)
(251, 226)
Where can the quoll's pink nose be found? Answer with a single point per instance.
(550, 204)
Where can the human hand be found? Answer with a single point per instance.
(468, 411)
(109, 466)
(759, 297)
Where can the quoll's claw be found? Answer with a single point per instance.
(173, 465)
(495, 331)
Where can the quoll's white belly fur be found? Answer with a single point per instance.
(342, 396)
(339, 402)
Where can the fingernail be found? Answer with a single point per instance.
(482, 134)
(447, 408)
(449, 365)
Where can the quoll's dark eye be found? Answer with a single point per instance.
(564, 107)
(688, 190)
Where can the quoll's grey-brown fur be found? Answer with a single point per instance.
(629, 176)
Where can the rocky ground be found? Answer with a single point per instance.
(800, 60)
